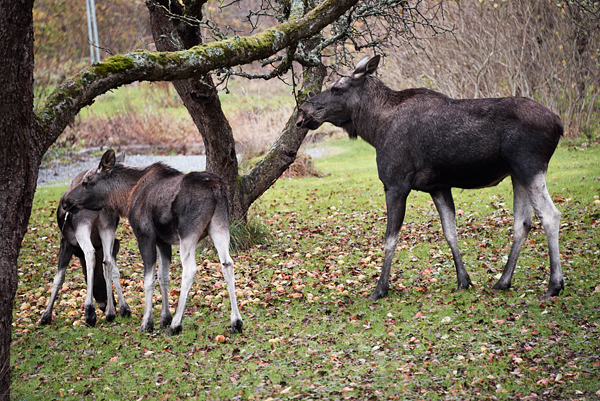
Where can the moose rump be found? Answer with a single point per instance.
(429, 142)
(165, 207)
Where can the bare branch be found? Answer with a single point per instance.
(80, 90)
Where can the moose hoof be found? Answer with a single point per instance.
(125, 312)
(148, 327)
(236, 327)
(110, 318)
(165, 321)
(45, 320)
(501, 286)
(174, 330)
(90, 315)
(378, 294)
(102, 306)
(553, 291)
(464, 284)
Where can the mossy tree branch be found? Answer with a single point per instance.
(80, 90)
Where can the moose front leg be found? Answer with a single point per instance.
(124, 309)
(111, 274)
(395, 201)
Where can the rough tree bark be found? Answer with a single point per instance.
(200, 97)
(19, 159)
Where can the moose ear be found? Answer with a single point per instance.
(120, 158)
(311, 94)
(366, 66)
(108, 160)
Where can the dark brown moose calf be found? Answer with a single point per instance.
(432, 143)
(165, 207)
(89, 235)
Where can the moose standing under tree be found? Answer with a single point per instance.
(432, 143)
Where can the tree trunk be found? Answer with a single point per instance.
(201, 99)
(284, 150)
(19, 159)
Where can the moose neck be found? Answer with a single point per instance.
(123, 182)
(374, 112)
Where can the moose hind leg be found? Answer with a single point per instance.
(187, 249)
(522, 225)
(220, 236)
(445, 207)
(164, 266)
(147, 248)
(550, 218)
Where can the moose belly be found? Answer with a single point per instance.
(468, 177)
(167, 232)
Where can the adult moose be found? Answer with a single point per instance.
(89, 235)
(165, 207)
(429, 142)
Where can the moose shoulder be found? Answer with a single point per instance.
(429, 142)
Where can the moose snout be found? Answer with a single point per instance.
(70, 205)
(300, 120)
(306, 120)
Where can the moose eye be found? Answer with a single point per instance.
(87, 183)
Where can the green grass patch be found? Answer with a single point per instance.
(309, 330)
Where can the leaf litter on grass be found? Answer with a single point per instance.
(309, 330)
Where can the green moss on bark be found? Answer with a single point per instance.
(114, 64)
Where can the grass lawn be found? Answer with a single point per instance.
(309, 330)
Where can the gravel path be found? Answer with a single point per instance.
(63, 174)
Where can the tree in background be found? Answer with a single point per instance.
(27, 133)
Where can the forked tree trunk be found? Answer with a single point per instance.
(201, 99)
(19, 159)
